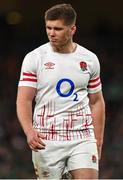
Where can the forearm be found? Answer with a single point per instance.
(98, 115)
(24, 112)
(34, 138)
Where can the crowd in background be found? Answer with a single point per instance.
(106, 42)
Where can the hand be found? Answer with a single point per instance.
(35, 140)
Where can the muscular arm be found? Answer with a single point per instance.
(97, 106)
(25, 98)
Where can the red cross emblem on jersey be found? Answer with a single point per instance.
(83, 66)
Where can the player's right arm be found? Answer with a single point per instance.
(25, 98)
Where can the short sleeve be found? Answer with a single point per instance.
(94, 84)
(28, 75)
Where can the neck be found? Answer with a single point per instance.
(69, 48)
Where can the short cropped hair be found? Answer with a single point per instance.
(61, 12)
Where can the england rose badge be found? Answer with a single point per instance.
(83, 66)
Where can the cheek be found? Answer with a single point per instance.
(66, 36)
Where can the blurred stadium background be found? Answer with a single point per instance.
(100, 29)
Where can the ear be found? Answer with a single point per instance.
(73, 29)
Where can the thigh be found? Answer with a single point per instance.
(47, 163)
(83, 160)
(84, 174)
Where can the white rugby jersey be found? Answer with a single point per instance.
(63, 82)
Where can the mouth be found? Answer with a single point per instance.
(53, 40)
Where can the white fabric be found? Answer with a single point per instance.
(68, 155)
(63, 82)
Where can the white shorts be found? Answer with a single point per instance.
(60, 156)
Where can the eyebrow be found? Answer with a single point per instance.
(55, 28)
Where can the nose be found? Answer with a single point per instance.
(52, 32)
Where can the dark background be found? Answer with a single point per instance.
(100, 29)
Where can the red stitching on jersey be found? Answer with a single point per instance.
(29, 79)
(94, 80)
(29, 74)
(94, 86)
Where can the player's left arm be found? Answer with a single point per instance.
(97, 106)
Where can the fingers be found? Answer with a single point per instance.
(41, 135)
(35, 141)
(36, 147)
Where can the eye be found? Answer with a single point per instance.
(58, 29)
(49, 28)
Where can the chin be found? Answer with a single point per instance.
(55, 44)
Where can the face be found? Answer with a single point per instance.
(58, 33)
